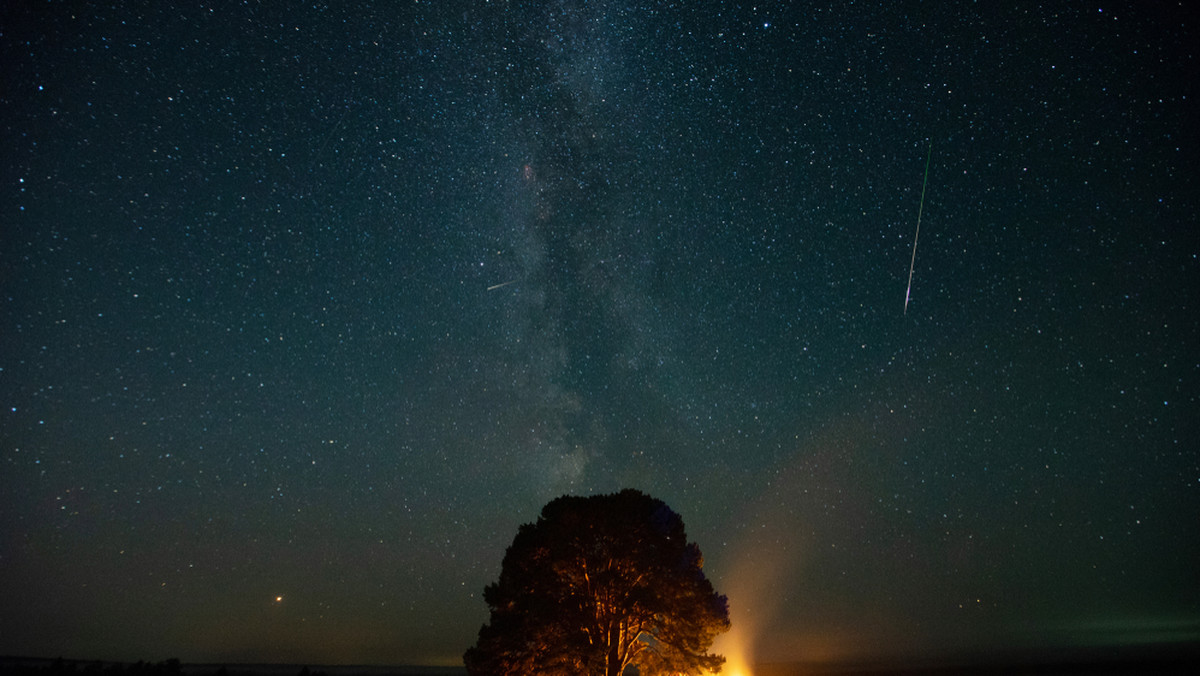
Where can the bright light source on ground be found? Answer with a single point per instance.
(733, 646)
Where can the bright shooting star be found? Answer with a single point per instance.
(921, 208)
(497, 286)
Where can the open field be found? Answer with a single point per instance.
(1159, 661)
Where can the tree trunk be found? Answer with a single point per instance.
(612, 663)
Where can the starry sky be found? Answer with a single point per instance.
(304, 308)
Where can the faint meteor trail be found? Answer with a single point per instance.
(501, 285)
(921, 208)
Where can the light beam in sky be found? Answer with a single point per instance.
(913, 262)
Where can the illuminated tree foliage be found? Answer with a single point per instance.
(599, 584)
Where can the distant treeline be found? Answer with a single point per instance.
(16, 666)
(172, 667)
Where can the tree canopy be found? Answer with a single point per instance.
(598, 584)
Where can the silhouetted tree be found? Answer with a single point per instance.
(599, 584)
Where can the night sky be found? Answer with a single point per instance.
(305, 308)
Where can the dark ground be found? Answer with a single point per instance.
(1157, 660)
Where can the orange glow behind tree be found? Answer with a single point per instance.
(736, 650)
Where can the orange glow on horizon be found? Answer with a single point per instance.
(735, 649)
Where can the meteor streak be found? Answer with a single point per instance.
(921, 208)
(497, 286)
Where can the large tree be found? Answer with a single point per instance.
(598, 584)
